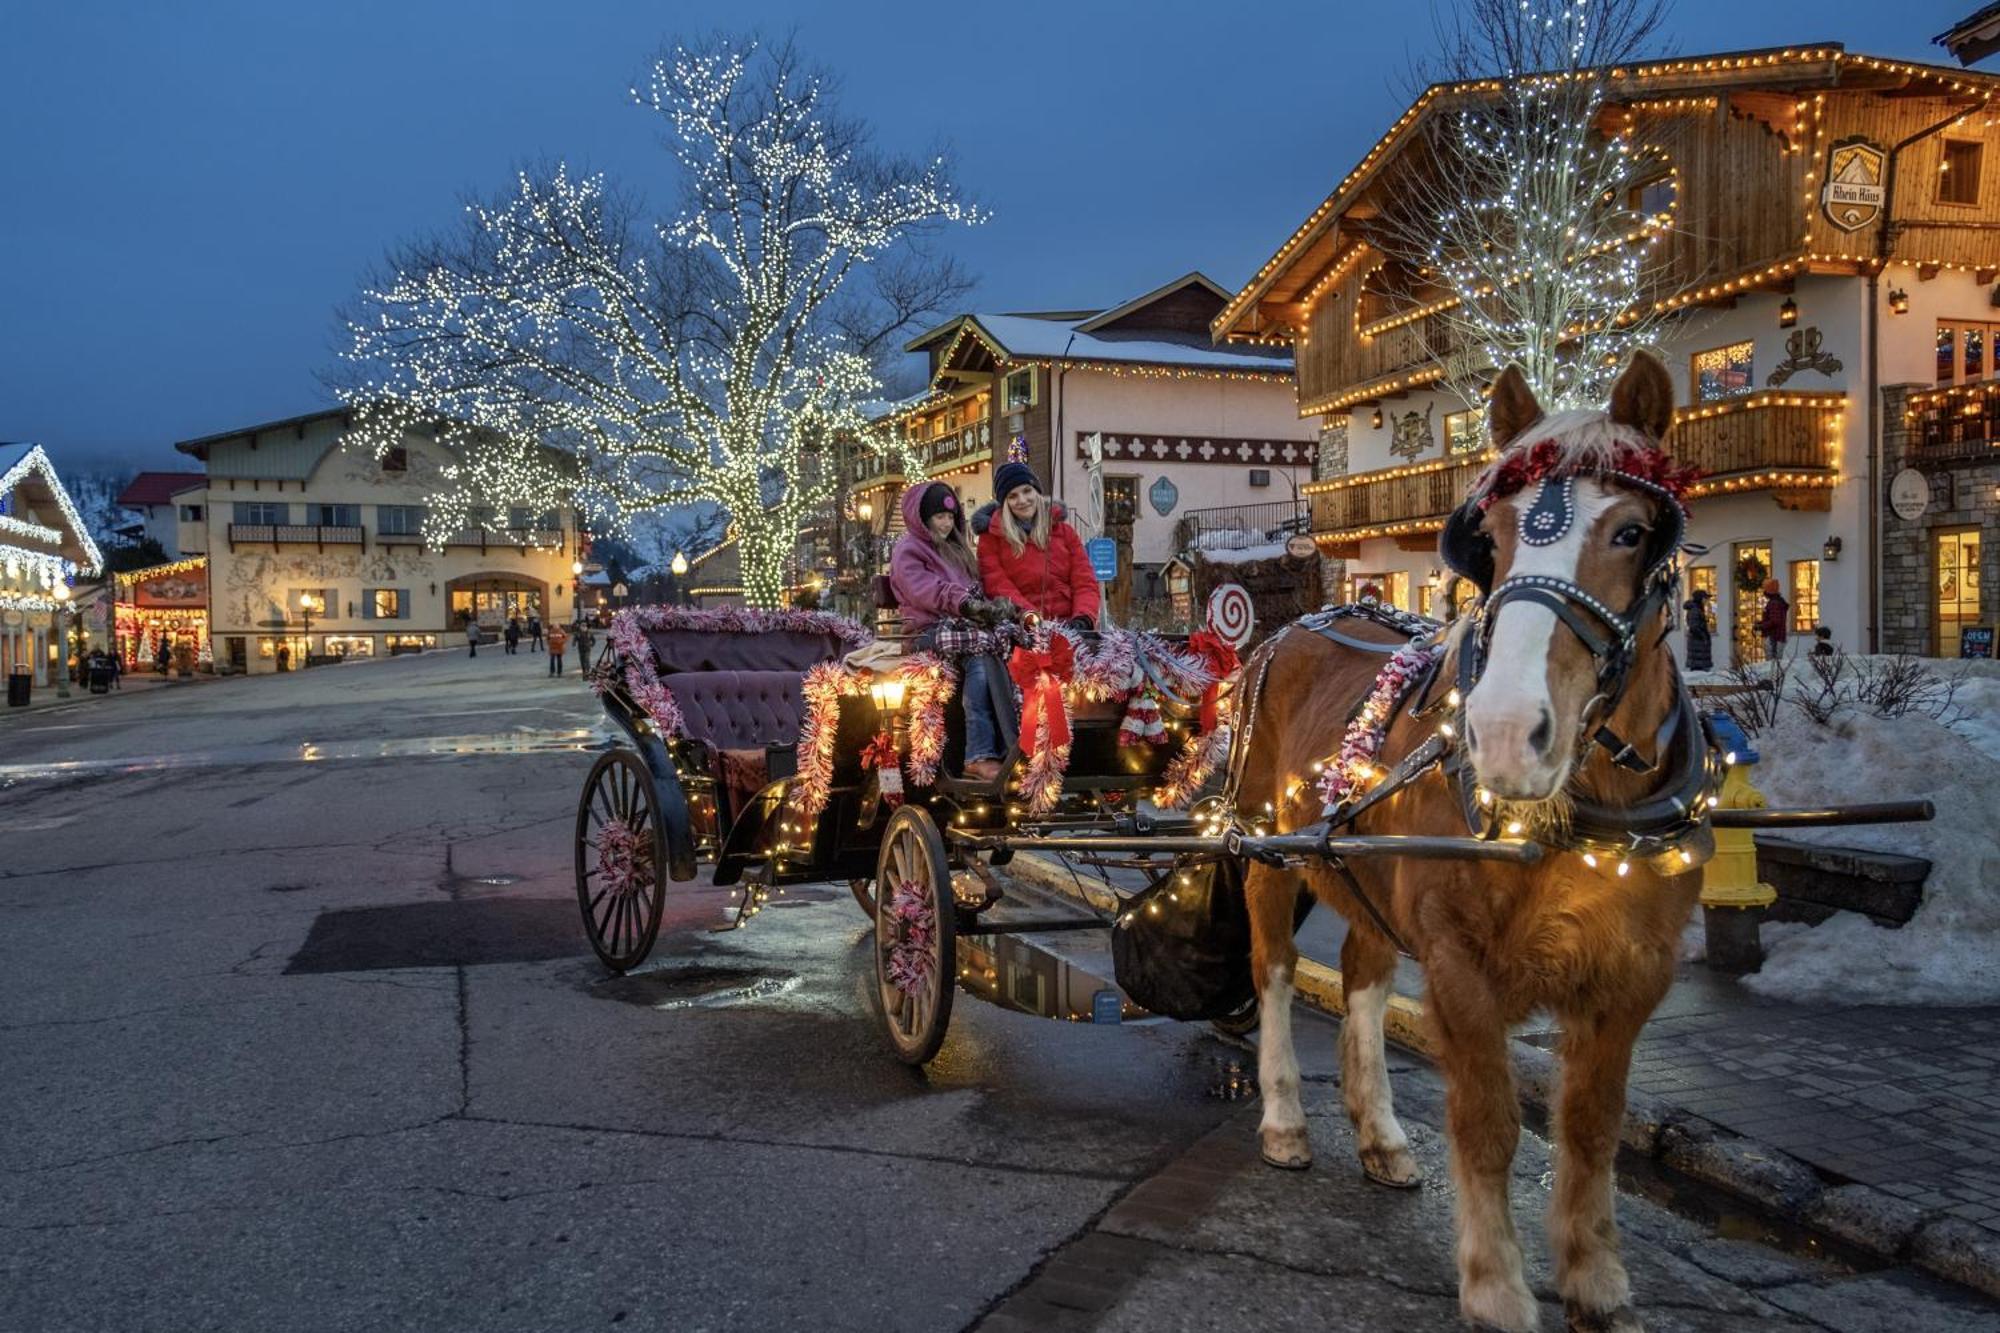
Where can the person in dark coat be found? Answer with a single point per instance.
(513, 634)
(535, 632)
(1776, 620)
(1030, 555)
(1700, 632)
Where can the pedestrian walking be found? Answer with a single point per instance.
(584, 639)
(1775, 621)
(472, 638)
(117, 670)
(1700, 632)
(557, 642)
(513, 634)
(164, 659)
(535, 632)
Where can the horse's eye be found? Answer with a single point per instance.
(1629, 535)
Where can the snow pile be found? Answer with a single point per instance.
(1949, 953)
(1242, 555)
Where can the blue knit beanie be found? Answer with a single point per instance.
(1009, 475)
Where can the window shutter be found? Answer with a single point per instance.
(367, 603)
(402, 603)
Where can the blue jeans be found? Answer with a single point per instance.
(982, 728)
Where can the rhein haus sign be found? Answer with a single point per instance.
(1854, 189)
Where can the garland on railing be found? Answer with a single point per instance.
(642, 676)
(1354, 768)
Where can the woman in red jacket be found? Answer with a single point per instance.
(1030, 555)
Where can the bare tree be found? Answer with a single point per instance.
(1518, 227)
(563, 347)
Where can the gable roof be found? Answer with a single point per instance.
(26, 467)
(1816, 65)
(158, 488)
(1193, 278)
(1974, 37)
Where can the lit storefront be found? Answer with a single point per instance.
(43, 548)
(163, 606)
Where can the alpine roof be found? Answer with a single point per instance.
(158, 488)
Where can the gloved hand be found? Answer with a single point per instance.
(1082, 624)
(981, 611)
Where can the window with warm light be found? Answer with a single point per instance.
(1805, 595)
(1462, 431)
(1964, 349)
(1958, 173)
(387, 603)
(1723, 372)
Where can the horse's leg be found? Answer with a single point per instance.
(1367, 967)
(1272, 893)
(1583, 1227)
(1483, 1123)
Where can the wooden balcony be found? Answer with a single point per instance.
(297, 534)
(1957, 426)
(511, 539)
(1785, 443)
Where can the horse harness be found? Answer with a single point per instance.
(1684, 748)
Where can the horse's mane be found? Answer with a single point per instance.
(1572, 442)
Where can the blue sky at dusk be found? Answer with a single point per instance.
(189, 189)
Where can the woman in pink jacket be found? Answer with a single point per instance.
(935, 576)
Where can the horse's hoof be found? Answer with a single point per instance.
(1393, 1167)
(1624, 1319)
(1287, 1149)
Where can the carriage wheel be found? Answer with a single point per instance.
(1241, 1023)
(621, 860)
(916, 945)
(864, 893)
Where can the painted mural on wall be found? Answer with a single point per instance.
(1802, 353)
(179, 590)
(258, 584)
(1411, 435)
(423, 471)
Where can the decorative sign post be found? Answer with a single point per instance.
(1103, 553)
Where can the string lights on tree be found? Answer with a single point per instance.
(1527, 236)
(564, 348)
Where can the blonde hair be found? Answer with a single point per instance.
(1036, 532)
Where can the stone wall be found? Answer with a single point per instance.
(1964, 494)
(1331, 462)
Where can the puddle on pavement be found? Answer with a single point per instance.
(670, 988)
(315, 752)
(1016, 974)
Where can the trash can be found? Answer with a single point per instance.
(20, 684)
(100, 677)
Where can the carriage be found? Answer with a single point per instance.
(785, 748)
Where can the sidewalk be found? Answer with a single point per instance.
(1877, 1126)
(135, 682)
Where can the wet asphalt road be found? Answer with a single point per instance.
(298, 1029)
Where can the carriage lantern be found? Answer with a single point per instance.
(888, 693)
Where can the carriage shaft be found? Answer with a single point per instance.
(1274, 844)
(1831, 816)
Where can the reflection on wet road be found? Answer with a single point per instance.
(310, 752)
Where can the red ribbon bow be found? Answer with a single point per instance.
(1040, 674)
(880, 752)
(1220, 657)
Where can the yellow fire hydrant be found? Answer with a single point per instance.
(1733, 900)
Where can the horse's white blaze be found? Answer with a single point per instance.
(1277, 1062)
(1365, 1072)
(1513, 695)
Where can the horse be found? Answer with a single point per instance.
(1572, 535)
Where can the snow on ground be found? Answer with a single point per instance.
(1949, 953)
(1224, 555)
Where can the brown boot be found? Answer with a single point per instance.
(982, 770)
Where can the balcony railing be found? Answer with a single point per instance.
(1241, 527)
(297, 534)
(1775, 440)
(521, 539)
(1955, 425)
(969, 444)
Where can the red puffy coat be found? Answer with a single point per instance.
(1056, 583)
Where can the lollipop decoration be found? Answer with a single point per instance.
(1231, 618)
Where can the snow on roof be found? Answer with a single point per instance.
(1057, 340)
(157, 488)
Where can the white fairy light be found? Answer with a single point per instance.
(565, 354)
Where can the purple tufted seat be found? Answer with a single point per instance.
(740, 710)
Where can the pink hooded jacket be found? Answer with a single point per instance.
(928, 587)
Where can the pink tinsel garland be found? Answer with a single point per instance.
(1353, 769)
(823, 688)
(911, 960)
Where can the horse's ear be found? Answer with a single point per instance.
(1643, 397)
(1512, 408)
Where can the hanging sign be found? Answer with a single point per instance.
(1909, 494)
(1164, 495)
(1103, 553)
(1301, 547)
(1853, 195)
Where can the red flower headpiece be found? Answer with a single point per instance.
(1644, 464)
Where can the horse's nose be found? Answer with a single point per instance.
(1511, 745)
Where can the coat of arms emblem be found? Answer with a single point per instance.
(1853, 194)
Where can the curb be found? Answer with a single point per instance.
(1858, 1218)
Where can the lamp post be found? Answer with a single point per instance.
(307, 605)
(680, 568)
(62, 639)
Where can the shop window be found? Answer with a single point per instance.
(1463, 432)
(1958, 173)
(1019, 391)
(1805, 595)
(1753, 566)
(349, 645)
(399, 520)
(1723, 372)
(1958, 603)
(261, 513)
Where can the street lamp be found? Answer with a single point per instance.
(307, 605)
(679, 565)
(62, 639)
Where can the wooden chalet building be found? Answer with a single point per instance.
(1185, 425)
(1826, 226)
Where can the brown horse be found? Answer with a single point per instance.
(1568, 651)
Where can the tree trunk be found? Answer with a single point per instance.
(765, 548)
